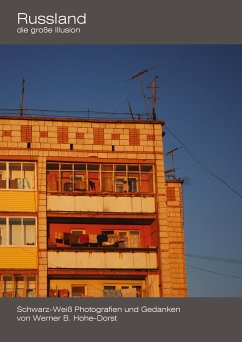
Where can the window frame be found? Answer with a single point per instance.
(80, 286)
(120, 175)
(26, 245)
(119, 286)
(13, 293)
(127, 231)
(22, 178)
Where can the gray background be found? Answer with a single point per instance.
(132, 21)
(200, 320)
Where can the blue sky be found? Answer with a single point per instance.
(200, 99)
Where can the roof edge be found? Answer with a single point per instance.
(40, 118)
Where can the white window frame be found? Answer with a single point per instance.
(21, 175)
(22, 231)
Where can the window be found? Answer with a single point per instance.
(17, 231)
(8, 286)
(134, 239)
(123, 238)
(131, 291)
(18, 285)
(78, 231)
(93, 177)
(30, 286)
(121, 184)
(81, 177)
(130, 239)
(122, 290)
(111, 291)
(133, 178)
(78, 290)
(17, 175)
(3, 175)
(133, 184)
(3, 232)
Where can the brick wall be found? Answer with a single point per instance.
(92, 141)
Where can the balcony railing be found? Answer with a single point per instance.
(103, 258)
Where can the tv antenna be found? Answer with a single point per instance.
(139, 74)
(172, 171)
(130, 109)
(154, 97)
(22, 99)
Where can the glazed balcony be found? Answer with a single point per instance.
(108, 204)
(102, 258)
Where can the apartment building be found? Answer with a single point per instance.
(86, 210)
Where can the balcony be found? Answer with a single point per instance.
(107, 204)
(103, 258)
(24, 257)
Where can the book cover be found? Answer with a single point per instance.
(120, 163)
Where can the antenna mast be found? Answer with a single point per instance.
(146, 106)
(22, 99)
(172, 154)
(154, 97)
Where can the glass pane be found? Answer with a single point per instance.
(138, 290)
(19, 286)
(29, 231)
(146, 183)
(120, 167)
(132, 184)
(14, 167)
(67, 181)
(15, 232)
(15, 181)
(133, 168)
(3, 232)
(93, 181)
(109, 287)
(80, 166)
(134, 239)
(80, 181)
(123, 239)
(107, 181)
(121, 184)
(146, 168)
(110, 291)
(2, 166)
(28, 166)
(31, 286)
(53, 181)
(66, 166)
(107, 167)
(3, 176)
(93, 167)
(78, 291)
(28, 181)
(8, 287)
(51, 166)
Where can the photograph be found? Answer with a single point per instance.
(120, 171)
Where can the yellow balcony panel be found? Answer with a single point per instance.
(18, 201)
(18, 257)
(106, 260)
